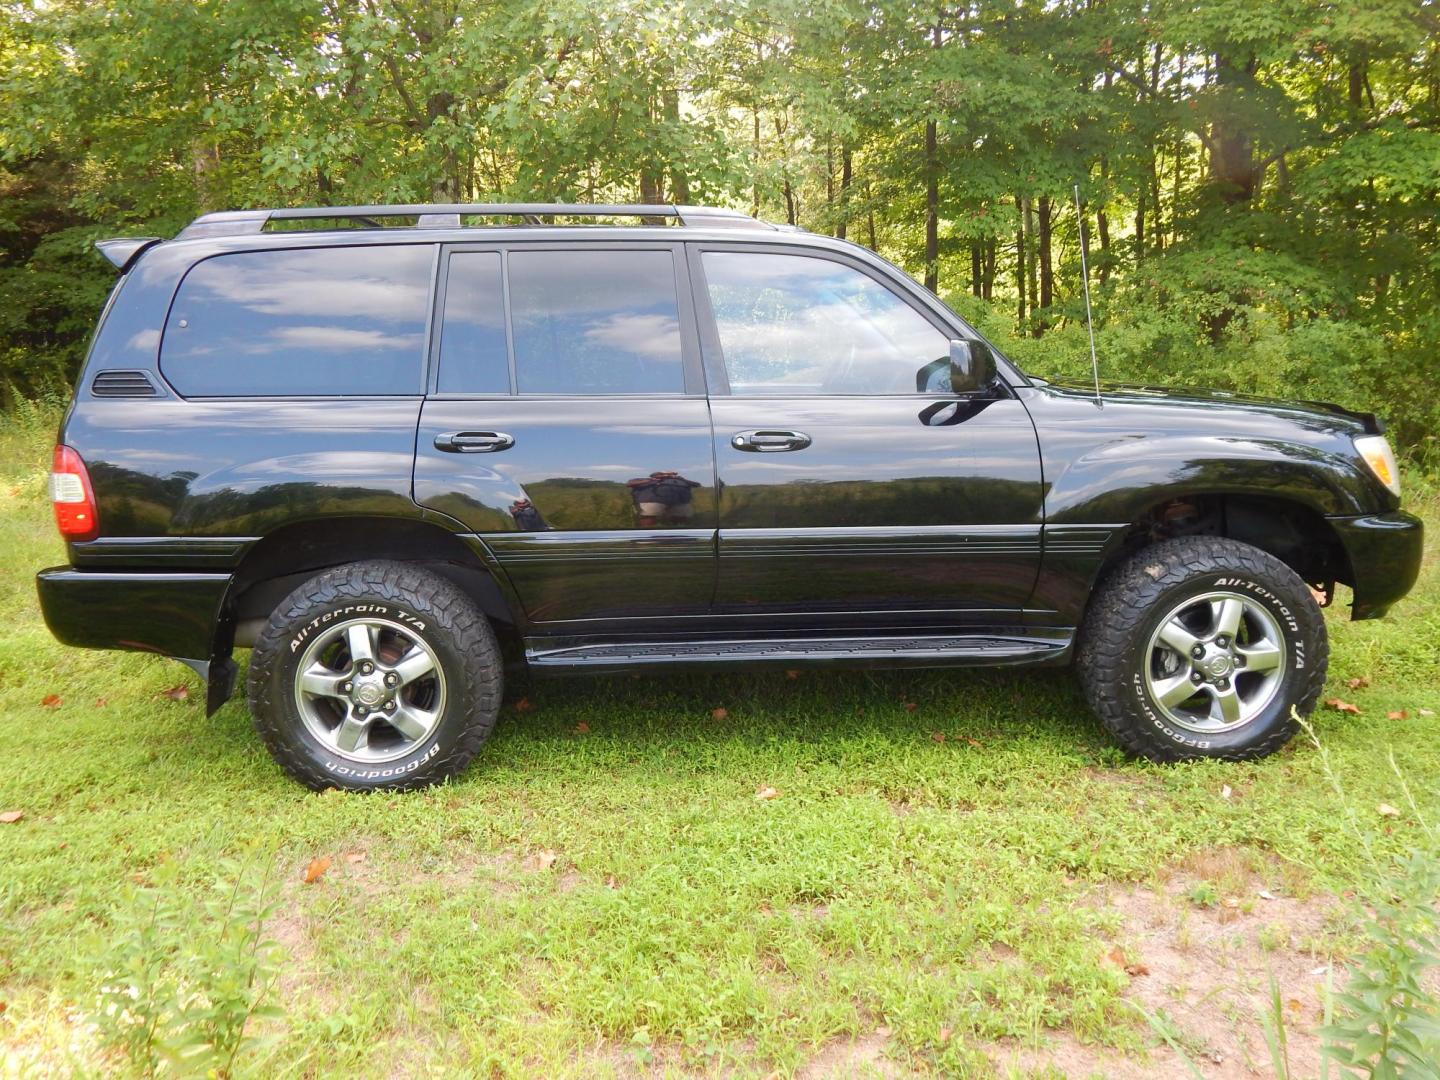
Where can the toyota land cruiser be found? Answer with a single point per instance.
(376, 444)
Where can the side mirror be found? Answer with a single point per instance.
(972, 366)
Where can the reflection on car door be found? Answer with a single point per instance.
(873, 489)
(569, 429)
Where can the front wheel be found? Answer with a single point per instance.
(1202, 647)
(376, 675)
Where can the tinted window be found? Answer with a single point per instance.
(791, 324)
(595, 322)
(473, 359)
(301, 321)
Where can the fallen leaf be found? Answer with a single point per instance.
(945, 1034)
(1358, 684)
(354, 857)
(611, 882)
(101, 702)
(792, 674)
(1231, 903)
(1386, 810)
(50, 701)
(1426, 712)
(1116, 956)
(540, 860)
(523, 705)
(1321, 969)
(1136, 970)
(1294, 1006)
(973, 742)
(178, 692)
(10, 817)
(3, 1007)
(316, 870)
(1226, 791)
(766, 793)
(719, 714)
(582, 728)
(1342, 706)
(1398, 714)
(910, 706)
(938, 736)
(1266, 894)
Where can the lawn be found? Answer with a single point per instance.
(949, 874)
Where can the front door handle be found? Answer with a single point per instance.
(474, 442)
(766, 441)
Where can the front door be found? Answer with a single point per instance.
(853, 482)
(567, 426)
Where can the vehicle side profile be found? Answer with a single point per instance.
(397, 450)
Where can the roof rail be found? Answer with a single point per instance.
(448, 215)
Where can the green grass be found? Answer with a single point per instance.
(946, 895)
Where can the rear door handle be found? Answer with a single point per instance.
(766, 441)
(474, 442)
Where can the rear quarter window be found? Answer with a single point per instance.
(334, 321)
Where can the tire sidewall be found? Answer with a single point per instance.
(1297, 618)
(292, 731)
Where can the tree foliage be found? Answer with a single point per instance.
(1261, 180)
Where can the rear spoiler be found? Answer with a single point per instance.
(124, 250)
(1373, 424)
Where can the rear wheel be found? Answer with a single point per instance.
(375, 675)
(1202, 647)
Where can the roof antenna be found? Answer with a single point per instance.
(1085, 279)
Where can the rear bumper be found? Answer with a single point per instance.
(1384, 552)
(172, 614)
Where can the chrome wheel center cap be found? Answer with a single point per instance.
(1218, 666)
(369, 693)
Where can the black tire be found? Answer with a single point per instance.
(1129, 608)
(432, 611)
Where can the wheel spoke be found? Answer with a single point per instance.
(1228, 701)
(362, 644)
(351, 733)
(414, 723)
(1226, 615)
(1171, 692)
(1260, 656)
(1175, 635)
(321, 681)
(415, 664)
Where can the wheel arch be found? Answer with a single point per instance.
(282, 559)
(1292, 531)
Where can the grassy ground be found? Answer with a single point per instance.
(957, 875)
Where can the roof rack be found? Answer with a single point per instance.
(448, 215)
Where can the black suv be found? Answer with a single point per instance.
(392, 448)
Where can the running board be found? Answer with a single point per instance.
(935, 651)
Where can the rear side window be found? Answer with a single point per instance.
(301, 321)
(595, 322)
(473, 357)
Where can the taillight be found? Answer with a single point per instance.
(72, 497)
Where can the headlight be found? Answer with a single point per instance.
(1375, 449)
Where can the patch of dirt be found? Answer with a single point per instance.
(1206, 970)
(852, 1058)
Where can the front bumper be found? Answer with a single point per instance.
(1384, 552)
(173, 614)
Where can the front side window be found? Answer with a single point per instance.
(798, 325)
(595, 322)
(301, 321)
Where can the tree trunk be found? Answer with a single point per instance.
(679, 184)
(932, 210)
(847, 174)
(1047, 272)
(992, 245)
(1020, 275)
(977, 285)
(1032, 267)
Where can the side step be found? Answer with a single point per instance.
(930, 651)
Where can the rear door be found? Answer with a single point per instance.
(566, 424)
(856, 487)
